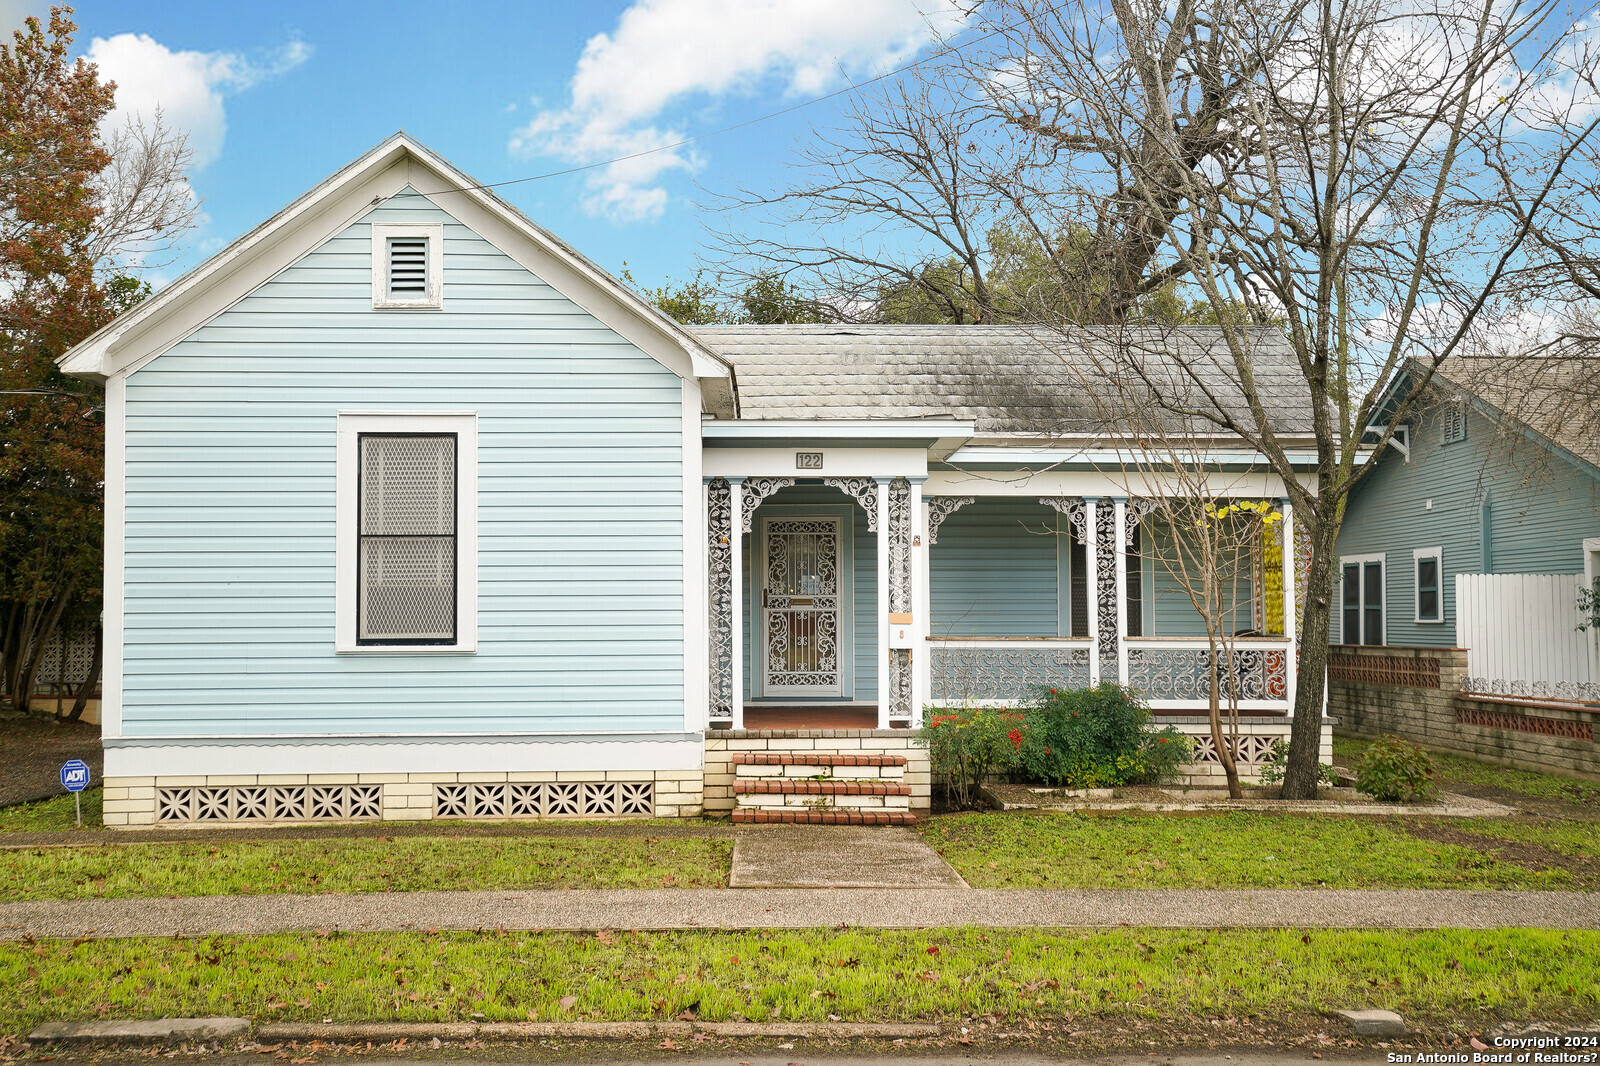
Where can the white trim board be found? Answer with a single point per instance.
(431, 232)
(424, 755)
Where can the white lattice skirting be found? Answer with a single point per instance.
(282, 798)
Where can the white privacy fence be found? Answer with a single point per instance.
(1521, 635)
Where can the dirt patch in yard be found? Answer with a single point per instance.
(32, 749)
(1586, 872)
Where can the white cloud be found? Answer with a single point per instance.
(189, 87)
(667, 52)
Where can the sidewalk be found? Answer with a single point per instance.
(802, 908)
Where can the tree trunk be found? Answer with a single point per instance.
(1219, 736)
(1305, 734)
(93, 679)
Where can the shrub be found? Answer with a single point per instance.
(1394, 771)
(1096, 738)
(968, 745)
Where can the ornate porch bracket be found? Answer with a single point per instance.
(863, 490)
(942, 507)
(1075, 510)
(1137, 508)
(757, 489)
(719, 570)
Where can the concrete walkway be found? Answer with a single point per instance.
(836, 856)
(800, 908)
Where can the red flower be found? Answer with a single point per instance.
(1162, 739)
(1052, 692)
(1015, 736)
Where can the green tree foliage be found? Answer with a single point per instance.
(768, 300)
(52, 447)
(1030, 280)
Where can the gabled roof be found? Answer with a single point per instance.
(1005, 379)
(210, 288)
(1555, 398)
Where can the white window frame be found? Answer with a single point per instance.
(347, 483)
(433, 233)
(1382, 559)
(1417, 555)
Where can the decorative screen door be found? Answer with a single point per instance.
(800, 607)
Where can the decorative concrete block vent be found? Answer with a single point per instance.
(269, 803)
(544, 799)
(821, 787)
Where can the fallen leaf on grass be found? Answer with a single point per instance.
(568, 1001)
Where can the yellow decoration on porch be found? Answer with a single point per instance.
(1272, 578)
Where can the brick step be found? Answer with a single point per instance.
(814, 758)
(789, 786)
(831, 816)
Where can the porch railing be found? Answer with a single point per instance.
(1175, 673)
(983, 671)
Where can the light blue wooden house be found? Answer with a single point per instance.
(414, 512)
(1479, 528)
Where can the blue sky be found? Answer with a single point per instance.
(277, 96)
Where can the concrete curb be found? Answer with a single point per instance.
(196, 1030)
(157, 1031)
(385, 1032)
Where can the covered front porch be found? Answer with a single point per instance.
(859, 602)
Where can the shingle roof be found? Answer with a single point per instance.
(1005, 379)
(1556, 396)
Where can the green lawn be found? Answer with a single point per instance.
(1229, 850)
(1578, 839)
(1459, 770)
(855, 975)
(52, 815)
(393, 864)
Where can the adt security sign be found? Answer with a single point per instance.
(75, 778)
(74, 775)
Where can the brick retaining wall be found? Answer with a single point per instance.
(1416, 693)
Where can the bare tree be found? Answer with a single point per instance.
(1383, 180)
(146, 202)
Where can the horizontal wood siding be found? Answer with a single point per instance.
(1541, 506)
(994, 571)
(230, 508)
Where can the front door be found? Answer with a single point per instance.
(800, 607)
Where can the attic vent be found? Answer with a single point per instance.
(408, 268)
(407, 265)
(1454, 423)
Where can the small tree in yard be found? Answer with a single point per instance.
(79, 208)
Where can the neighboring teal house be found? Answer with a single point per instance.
(414, 512)
(1478, 529)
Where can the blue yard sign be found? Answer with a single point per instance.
(74, 775)
(75, 778)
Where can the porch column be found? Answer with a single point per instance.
(1091, 584)
(736, 615)
(1119, 542)
(885, 665)
(1291, 667)
(920, 604)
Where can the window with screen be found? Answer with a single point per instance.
(406, 553)
(1429, 603)
(1361, 601)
